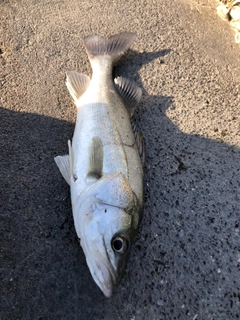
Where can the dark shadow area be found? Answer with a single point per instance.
(185, 263)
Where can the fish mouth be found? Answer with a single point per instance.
(99, 263)
(106, 282)
(103, 275)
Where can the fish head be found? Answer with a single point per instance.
(106, 221)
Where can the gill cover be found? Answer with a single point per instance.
(114, 190)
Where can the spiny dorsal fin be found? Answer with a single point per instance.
(115, 46)
(64, 166)
(140, 145)
(129, 92)
(77, 84)
(95, 159)
(139, 141)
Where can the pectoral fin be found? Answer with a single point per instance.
(95, 159)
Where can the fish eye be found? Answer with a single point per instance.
(120, 244)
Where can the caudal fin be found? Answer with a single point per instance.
(115, 46)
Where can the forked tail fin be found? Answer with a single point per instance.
(115, 46)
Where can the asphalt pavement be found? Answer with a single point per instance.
(185, 263)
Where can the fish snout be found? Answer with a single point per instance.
(107, 280)
(103, 276)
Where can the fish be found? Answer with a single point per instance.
(104, 167)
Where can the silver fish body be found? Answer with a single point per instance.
(104, 167)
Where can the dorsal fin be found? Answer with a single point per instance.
(95, 159)
(139, 141)
(140, 145)
(129, 92)
(77, 84)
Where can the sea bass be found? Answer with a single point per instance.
(104, 166)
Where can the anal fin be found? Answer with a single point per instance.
(129, 92)
(77, 84)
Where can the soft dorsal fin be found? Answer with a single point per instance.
(129, 92)
(95, 159)
(77, 84)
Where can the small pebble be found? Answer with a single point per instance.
(181, 233)
(230, 11)
(223, 12)
(235, 13)
(160, 303)
(237, 37)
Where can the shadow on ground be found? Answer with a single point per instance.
(185, 261)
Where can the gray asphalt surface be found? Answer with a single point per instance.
(185, 263)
